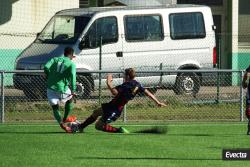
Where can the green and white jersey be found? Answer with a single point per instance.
(61, 72)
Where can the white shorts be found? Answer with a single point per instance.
(55, 97)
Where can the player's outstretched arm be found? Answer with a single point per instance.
(109, 80)
(151, 96)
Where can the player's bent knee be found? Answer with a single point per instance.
(99, 125)
(97, 113)
(55, 107)
(70, 100)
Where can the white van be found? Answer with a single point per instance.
(145, 38)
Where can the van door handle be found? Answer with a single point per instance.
(119, 54)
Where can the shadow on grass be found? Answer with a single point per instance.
(146, 158)
(130, 134)
(201, 135)
(206, 135)
(36, 133)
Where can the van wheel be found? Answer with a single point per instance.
(187, 83)
(87, 84)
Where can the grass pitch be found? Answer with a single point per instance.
(184, 144)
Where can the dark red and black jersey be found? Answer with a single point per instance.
(126, 91)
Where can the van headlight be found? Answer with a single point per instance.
(33, 66)
(20, 66)
(42, 66)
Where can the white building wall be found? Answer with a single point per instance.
(28, 17)
(141, 3)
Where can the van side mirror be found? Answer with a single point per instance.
(88, 43)
(38, 34)
(213, 27)
(82, 44)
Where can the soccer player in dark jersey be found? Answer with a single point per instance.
(60, 73)
(111, 111)
(245, 84)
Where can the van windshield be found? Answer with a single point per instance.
(63, 29)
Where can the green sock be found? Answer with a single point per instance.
(56, 113)
(68, 108)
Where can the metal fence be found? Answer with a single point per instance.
(191, 95)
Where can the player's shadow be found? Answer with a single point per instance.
(130, 134)
(146, 158)
(205, 135)
(190, 134)
(36, 133)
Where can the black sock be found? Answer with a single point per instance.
(248, 129)
(87, 122)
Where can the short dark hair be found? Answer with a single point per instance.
(130, 72)
(68, 51)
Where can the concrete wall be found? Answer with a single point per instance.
(141, 3)
(243, 56)
(22, 19)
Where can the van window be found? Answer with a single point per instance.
(106, 28)
(63, 29)
(187, 25)
(143, 28)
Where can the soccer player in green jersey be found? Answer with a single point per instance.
(60, 73)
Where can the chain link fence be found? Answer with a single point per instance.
(191, 95)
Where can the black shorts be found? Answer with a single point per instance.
(110, 113)
(248, 103)
(248, 97)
